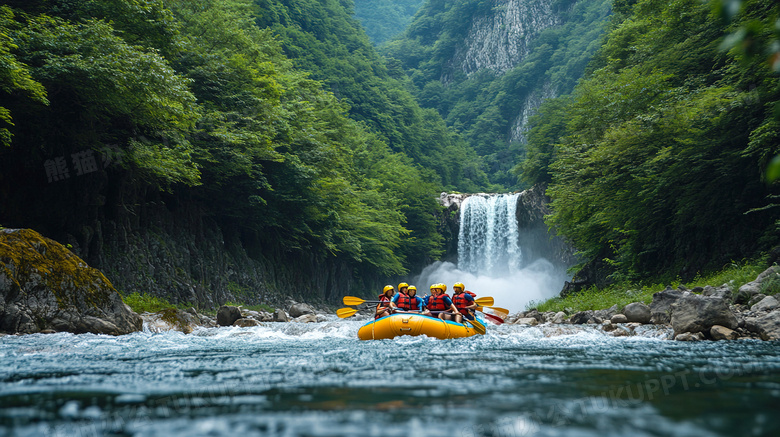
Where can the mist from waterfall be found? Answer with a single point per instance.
(490, 259)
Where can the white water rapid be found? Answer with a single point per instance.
(491, 261)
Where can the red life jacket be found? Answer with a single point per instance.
(384, 302)
(436, 303)
(461, 303)
(471, 293)
(407, 303)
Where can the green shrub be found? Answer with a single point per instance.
(145, 303)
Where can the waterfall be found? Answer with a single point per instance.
(488, 235)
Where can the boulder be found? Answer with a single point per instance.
(534, 313)
(660, 307)
(752, 288)
(246, 322)
(581, 317)
(718, 332)
(299, 309)
(689, 336)
(637, 312)
(527, 321)
(723, 292)
(766, 326)
(44, 286)
(607, 313)
(560, 317)
(227, 315)
(306, 318)
(755, 299)
(768, 303)
(607, 326)
(280, 316)
(619, 318)
(694, 313)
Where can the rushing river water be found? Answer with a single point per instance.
(320, 380)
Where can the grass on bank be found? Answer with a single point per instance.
(734, 274)
(146, 303)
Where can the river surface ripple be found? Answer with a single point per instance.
(318, 379)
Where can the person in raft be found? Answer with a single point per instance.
(464, 302)
(438, 301)
(408, 301)
(385, 306)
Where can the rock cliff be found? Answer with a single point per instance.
(44, 286)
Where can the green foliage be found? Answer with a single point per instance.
(734, 274)
(658, 168)
(146, 303)
(384, 19)
(485, 106)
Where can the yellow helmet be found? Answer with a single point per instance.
(459, 285)
(443, 287)
(402, 285)
(434, 286)
(411, 287)
(387, 287)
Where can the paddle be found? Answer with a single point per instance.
(343, 313)
(498, 312)
(493, 319)
(484, 301)
(478, 327)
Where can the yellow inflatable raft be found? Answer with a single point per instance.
(398, 324)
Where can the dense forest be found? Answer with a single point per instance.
(657, 160)
(278, 119)
(385, 19)
(284, 125)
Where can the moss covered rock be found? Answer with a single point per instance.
(43, 285)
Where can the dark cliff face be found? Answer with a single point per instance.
(147, 241)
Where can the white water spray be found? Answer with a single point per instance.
(490, 260)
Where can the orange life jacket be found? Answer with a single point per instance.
(407, 303)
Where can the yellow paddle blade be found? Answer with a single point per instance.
(500, 312)
(484, 301)
(352, 300)
(479, 327)
(343, 313)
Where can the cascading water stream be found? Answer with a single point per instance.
(488, 235)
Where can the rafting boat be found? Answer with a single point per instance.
(398, 324)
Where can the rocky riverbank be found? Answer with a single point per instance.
(188, 320)
(702, 313)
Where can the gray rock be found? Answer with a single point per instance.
(637, 312)
(299, 309)
(246, 323)
(619, 318)
(694, 313)
(581, 317)
(660, 307)
(607, 326)
(306, 318)
(718, 332)
(527, 321)
(766, 326)
(227, 315)
(752, 288)
(768, 303)
(723, 292)
(607, 313)
(532, 313)
(280, 316)
(44, 286)
(755, 299)
(560, 317)
(689, 336)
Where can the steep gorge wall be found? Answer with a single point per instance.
(499, 41)
(150, 242)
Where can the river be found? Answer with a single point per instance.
(290, 379)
